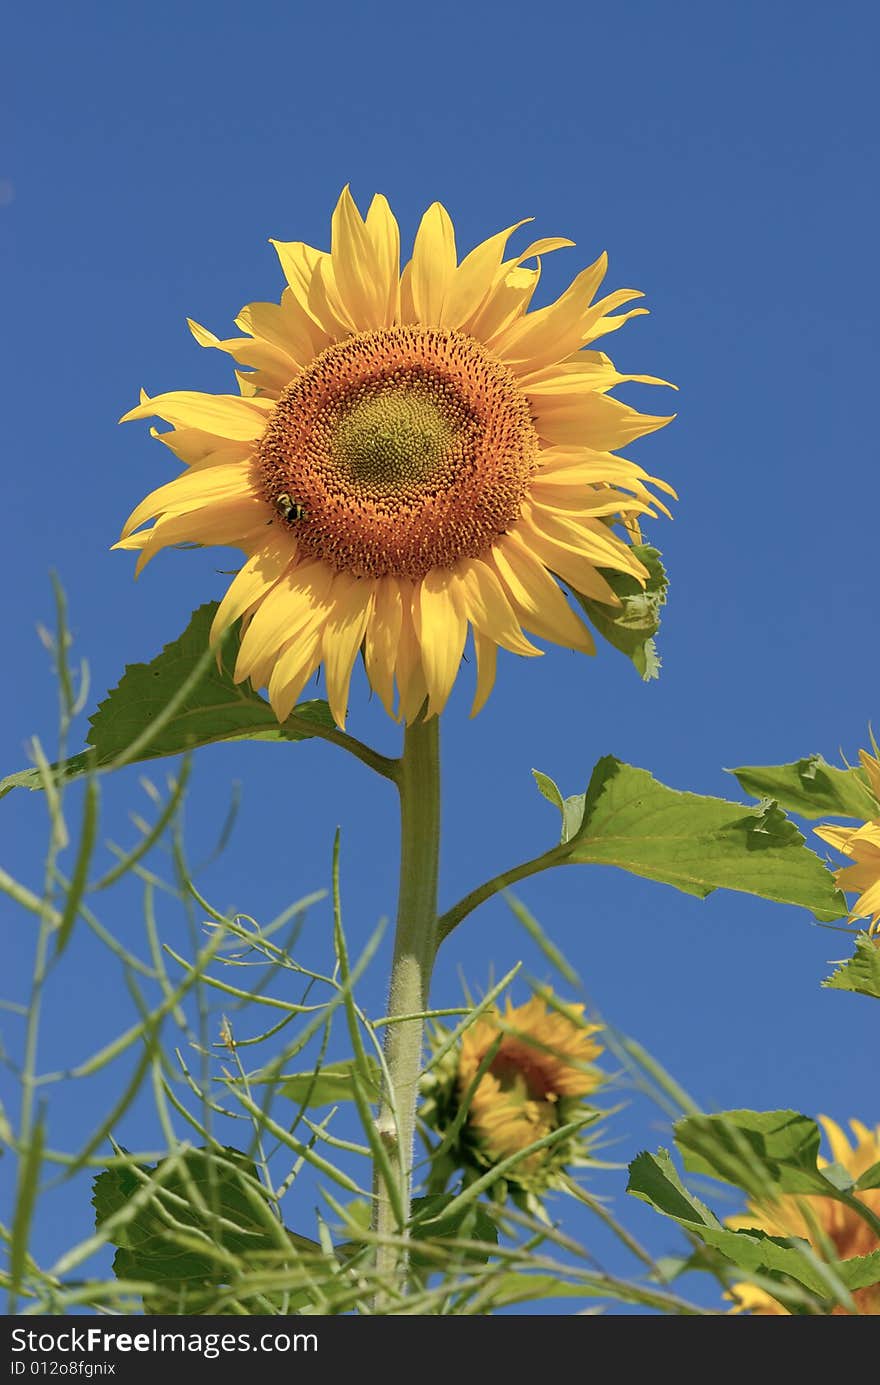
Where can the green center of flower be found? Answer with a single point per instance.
(399, 451)
(398, 435)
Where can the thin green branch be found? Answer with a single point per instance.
(382, 764)
(556, 856)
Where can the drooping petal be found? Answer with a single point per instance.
(482, 601)
(412, 688)
(293, 669)
(232, 523)
(536, 598)
(441, 629)
(292, 603)
(342, 637)
(253, 582)
(383, 639)
(486, 651)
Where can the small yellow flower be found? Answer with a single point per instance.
(814, 1219)
(540, 1071)
(862, 845)
(413, 455)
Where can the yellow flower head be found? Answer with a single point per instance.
(824, 1222)
(862, 845)
(538, 1073)
(412, 455)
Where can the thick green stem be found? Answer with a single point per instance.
(415, 946)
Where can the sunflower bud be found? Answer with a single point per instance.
(503, 1096)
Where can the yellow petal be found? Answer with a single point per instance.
(198, 448)
(291, 604)
(411, 686)
(474, 278)
(835, 836)
(383, 639)
(507, 301)
(599, 324)
(589, 538)
(253, 582)
(191, 491)
(433, 264)
(441, 630)
(839, 1144)
(232, 523)
(596, 421)
(293, 670)
(356, 270)
(536, 598)
(268, 359)
(871, 766)
(342, 637)
(384, 233)
(483, 602)
(224, 414)
(552, 333)
(286, 326)
(487, 657)
(577, 376)
(309, 276)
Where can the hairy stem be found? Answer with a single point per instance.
(415, 946)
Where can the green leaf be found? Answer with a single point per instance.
(810, 787)
(763, 1152)
(327, 1085)
(430, 1225)
(212, 709)
(631, 626)
(198, 1230)
(654, 1179)
(869, 1179)
(862, 1271)
(862, 972)
(698, 844)
(571, 809)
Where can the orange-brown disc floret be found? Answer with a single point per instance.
(403, 449)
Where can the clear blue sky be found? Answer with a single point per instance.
(725, 156)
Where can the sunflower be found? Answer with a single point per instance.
(822, 1221)
(862, 844)
(537, 1063)
(411, 455)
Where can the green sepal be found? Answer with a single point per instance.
(810, 787)
(631, 626)
(861, 973)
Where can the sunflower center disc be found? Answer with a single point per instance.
(406, 449)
